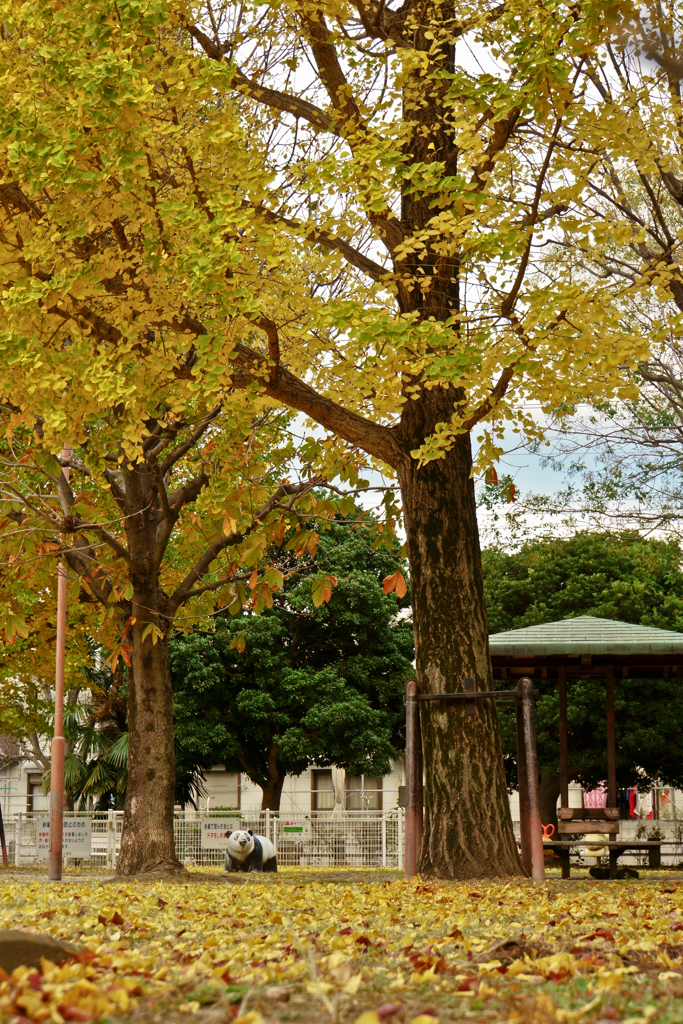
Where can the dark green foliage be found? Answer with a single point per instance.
(611, 575)
(314, 685)
(615, 576)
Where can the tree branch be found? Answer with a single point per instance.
(377, 440)
(293, 105)
(178, 452)
(202, 565)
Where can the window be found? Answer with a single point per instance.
(363, 793)
(322, 791)
(36, 800)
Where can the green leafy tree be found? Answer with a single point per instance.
(616, 576)
(318, 683)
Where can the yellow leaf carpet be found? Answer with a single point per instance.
(349, 946)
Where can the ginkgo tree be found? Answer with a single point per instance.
(416, 157)
(345, 209)
(157, 538)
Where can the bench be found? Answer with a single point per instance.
(653, 847)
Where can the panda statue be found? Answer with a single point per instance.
(247, 852)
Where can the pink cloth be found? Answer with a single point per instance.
(595, 797)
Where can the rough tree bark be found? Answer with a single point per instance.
(468, 828)
(272, 786)
(147, 842)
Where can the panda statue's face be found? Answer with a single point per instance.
(240, 841)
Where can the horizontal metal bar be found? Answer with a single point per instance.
(491, 694)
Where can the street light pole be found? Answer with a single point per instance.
(57, 754)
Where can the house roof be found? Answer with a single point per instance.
(586, 634)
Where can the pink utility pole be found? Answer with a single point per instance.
(57, 756)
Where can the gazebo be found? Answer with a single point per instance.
(581, 647)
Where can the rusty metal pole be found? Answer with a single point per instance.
(564, 760)
(523, 790)
(414, 798)
(57, 753)
(2, 839)
(536, 838)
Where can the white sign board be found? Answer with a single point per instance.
(296, 831)
(76, 837)
(214, 829)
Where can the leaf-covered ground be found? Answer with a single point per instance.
(349, 946)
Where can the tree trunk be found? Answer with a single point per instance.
(147, 843)
(468, 828)
(272, 788)
(548, 792)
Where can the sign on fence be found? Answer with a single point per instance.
(76, 837)
(293, 830)
(214, 829)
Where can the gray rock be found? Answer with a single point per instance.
(19, 948)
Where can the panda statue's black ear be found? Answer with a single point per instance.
(228, 834)
(250, 832)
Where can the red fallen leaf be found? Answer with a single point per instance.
(388, 1010)
(235, 1009)
(502, 969)
(677, 927)
(181, 932)
(469, 954)
(589, 938)
(362, 940)
(346, 931)
(343, 920)
(85, 956)
(101, 918)
(35, 980)
(605, 933)
(76, 1013)
(161, 903)
(558, 975)
(466, 984)
(475, 895)
(609, 1013)
(225, 976)
(117, 919)
(610, 915)
(455, 934)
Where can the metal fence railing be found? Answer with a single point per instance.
(356, 839)
(371, 839)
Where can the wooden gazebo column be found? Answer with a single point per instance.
(564, 761)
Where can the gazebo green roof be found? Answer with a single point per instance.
(586, 634)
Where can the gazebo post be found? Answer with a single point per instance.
(525, 686)
(611, 761)
(564, 759)
(414, 783)
(523, 790)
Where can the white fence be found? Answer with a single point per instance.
(372, 839)
(358, 839)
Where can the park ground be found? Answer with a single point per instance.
(340, 947)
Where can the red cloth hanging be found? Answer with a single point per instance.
(632, 800)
